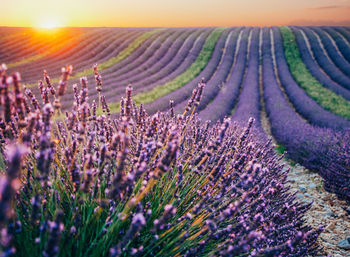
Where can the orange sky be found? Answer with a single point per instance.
(155, 13)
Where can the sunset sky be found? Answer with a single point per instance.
(165, 13)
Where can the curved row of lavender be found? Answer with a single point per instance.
(185, 91)
(344, 31)
(151, 63)
(70, 51)
(226, 99)
(315, 70)
(89, 45)
(149, 59)
(148, 50)
(15, 46)
(25, 42)
(18, 43)
(218, 78)
(125, 62)
(318, 149)
(324, 62)
(176, 61)
(303, 104)
(339, 40)
(249, 100)
(332, 51)
(183, 59)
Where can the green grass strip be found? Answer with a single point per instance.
(26, 60)
(326, 98)
(196, 67)
(113, 60)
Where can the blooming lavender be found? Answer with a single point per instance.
(139, 184)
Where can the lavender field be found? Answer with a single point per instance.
(171, 141)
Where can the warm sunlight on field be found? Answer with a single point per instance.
(174, 128)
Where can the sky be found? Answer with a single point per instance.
(173, 13)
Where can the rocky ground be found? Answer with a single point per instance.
(326, 210)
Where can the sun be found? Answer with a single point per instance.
(49, 23)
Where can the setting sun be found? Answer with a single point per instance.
(49, 23)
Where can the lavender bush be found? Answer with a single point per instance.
(83, 184)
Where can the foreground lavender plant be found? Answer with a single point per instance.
(140, 185)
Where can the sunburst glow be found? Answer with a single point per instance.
(49, 23)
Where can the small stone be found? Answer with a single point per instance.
(312, 186)
(344, 244)
(300, 196)
(329, 214)
(302, 189)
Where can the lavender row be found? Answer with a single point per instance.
(344, 31)
(181, 59)
(321, 150)
(315, 70)
(185, 91)
(115, 48)
(155, 43)
(226, 99)
(17, 47)
(151, 57)
(249, 100)
(17, 41)
(119, 43)
(341, 43)
(95, 50)
(134, 56)
(215, 80)
(333, 52)
(182, 50)
(67, 53)
(170, 63)
(303, 104)
(332, 71)
(220, 76)
(99, 54)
